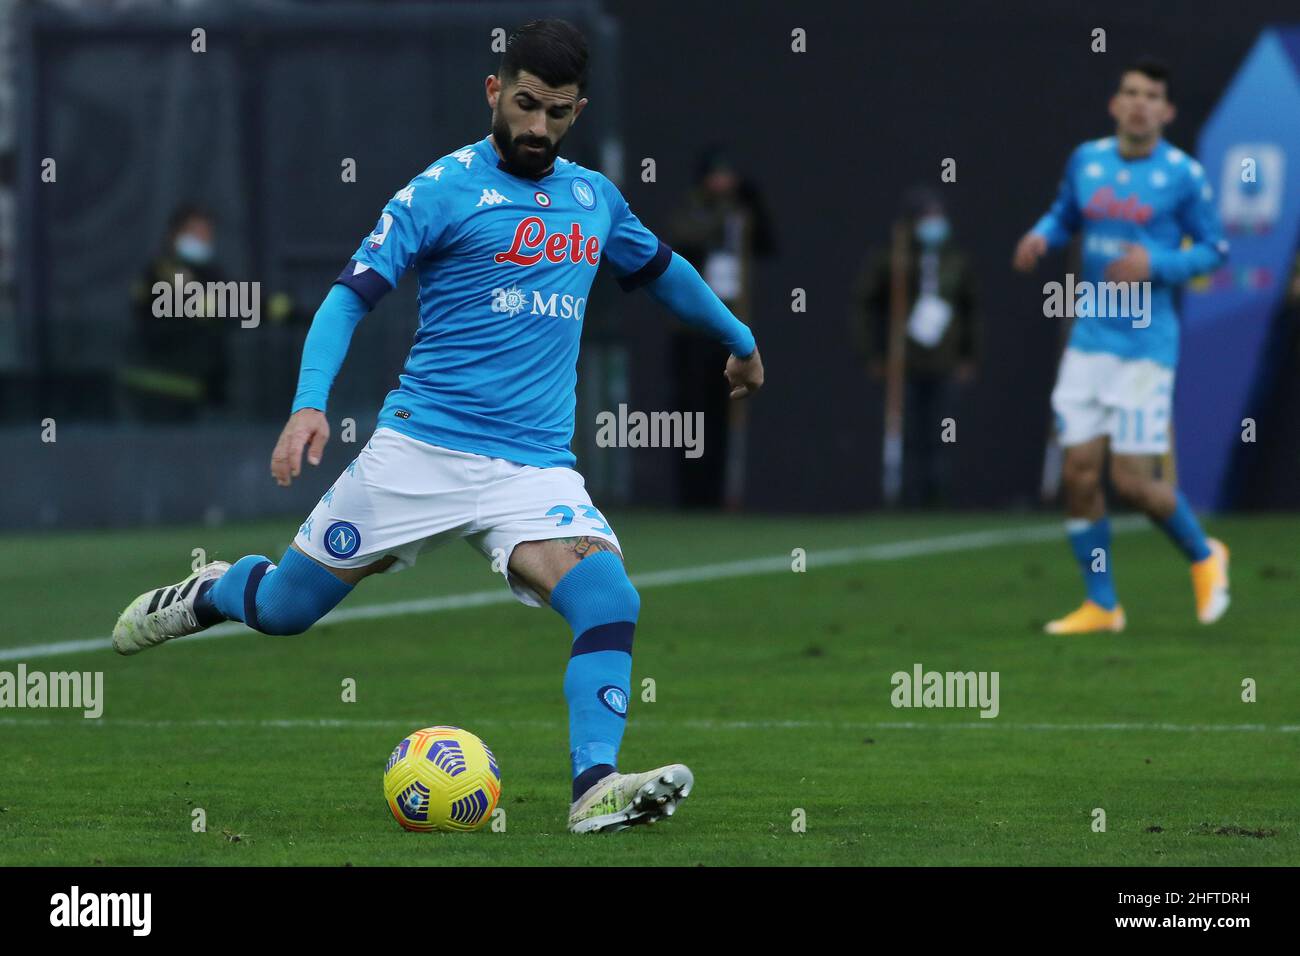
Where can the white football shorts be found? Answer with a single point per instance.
(1128, 400)
(401, 496)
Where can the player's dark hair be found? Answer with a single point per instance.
(552, 50)
(185, 212)
(1152, 69)
(918, 200)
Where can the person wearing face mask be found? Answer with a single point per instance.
(721, 228)
(178, 363)
(941, 336)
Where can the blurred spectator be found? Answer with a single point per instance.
(720, 228)
(178, 363)
(942, 337)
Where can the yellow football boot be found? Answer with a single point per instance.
(1090, 618)
(1210, 583)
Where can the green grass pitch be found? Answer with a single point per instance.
(773, 686)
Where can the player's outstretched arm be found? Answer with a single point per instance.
(689, 297)
(322, 357)
(1056, 226)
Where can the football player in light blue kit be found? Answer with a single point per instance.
(505, 238)
(1134, 198)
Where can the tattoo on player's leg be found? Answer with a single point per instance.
(586, 546)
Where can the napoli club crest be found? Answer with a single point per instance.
(584, 194)
(615, 698)
(342, 540)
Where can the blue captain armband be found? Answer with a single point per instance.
(649, 272)
(365, 282)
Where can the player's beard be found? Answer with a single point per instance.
(518, 160)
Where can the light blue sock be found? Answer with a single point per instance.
(283, 599)
(1185, 531)
(601, 606)
(1086, 538)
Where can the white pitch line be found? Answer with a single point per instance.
(346, 723)
(890, 551)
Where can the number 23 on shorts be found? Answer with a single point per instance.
(566, 516)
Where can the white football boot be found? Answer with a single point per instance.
(623, 800)
(163, 613)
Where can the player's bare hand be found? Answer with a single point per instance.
(744, 375)
(1133, 266)
(306, 428)
(1029, 250)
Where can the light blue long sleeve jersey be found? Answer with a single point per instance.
(1155, 200)
(505, 265)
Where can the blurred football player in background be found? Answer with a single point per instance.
(1134, 197)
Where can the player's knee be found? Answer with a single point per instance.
(295, 595)
(618, 592)
(284, 622)
(627, 595)
(595, 591)
(1081, 478)
(1129, 485)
